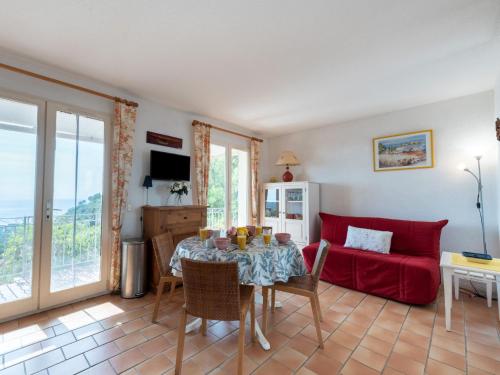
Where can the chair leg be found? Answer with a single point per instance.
(173, 284)
(159, 291)
(180, 342)
(264, 309)
(273, 299)
(252, 318)
(241, 344)
(204, 327)
(316, 320)
(318, 306)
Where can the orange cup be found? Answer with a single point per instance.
(242, 241)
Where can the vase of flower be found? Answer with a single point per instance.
(178, 190)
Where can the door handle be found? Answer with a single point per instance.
(48, 209)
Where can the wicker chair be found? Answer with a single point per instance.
(306, 286)
(212, 291)
(163, 248)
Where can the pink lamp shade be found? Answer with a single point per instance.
(287, 158)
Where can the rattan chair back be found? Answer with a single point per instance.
(211, 289)
(163, 248)
(319, 261)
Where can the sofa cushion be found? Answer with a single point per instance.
(418, 238)
(368, 239)
(400, 277)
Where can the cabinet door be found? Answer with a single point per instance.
(294, 202)
(272, 208)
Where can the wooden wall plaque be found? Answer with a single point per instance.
(163, 140)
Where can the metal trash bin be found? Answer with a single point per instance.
(133, 267)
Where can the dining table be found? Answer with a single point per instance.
(258, 264)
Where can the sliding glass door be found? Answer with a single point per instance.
(21, 156)
(53, 192)
(228, 186)
(74, 218)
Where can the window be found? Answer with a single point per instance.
(228, 186)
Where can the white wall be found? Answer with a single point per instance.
(340, 158)
(150, 116)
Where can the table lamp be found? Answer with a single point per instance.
(287, 158)
(484, 256)
(148, 182)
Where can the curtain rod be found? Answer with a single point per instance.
(67, 84)
(196, 122)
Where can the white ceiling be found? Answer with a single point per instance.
(273, 66)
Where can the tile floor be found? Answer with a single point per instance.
(363, 335)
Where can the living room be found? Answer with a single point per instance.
(341, 155)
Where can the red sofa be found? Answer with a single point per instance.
(409, 273)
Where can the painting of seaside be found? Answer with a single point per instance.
(403, 151)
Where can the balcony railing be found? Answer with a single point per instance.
(216, 217)
(76, 252)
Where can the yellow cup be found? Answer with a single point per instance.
(258, 230)
(242, 231)
(203, 234)
(242, 241)
(267, 239)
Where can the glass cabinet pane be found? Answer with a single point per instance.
(272, 202)
(294, 204)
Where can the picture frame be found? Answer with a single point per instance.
(413, 150)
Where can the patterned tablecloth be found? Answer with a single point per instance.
(257, 264)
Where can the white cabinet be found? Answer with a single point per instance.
(292, 207)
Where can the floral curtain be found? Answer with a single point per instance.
(255, 149)
(121, 166)
(201, 132)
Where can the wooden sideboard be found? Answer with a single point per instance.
(182, 221)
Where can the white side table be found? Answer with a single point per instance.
(451, 271)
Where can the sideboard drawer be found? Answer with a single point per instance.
(181, 217)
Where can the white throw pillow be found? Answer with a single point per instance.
(368, 239)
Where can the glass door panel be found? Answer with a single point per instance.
(18, 191)
(77, 201)
(239, 187)
(216, 212)
(294, 204)
(272, 203)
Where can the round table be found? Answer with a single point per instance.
(257, 264)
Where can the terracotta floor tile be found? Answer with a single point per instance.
(129, 341)
(13, 370)
(376, 345)
(353, 367)
(88, 330)
(108, 335)
(79, 347)
(439, 368)
(391, 371)
(353, 329)
(71, 366)
(383, 334)
(303, 345)
(405, 364)
(414, 339)
(103, 368)
(369, 358)
(448, 344)
(288, 328)
(102, 353)
(447, 357)
(336, 351)
(155, 346)
(483, 363)
(273, 367)
(127, 360)
(323, 365)
(345, 339)
(23, 354)
(412, 351)
(43, 361)
(290, 358)
(156, 365)
(209, 358)
(230, 367)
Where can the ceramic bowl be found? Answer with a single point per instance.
(282, 238)
(222, 243)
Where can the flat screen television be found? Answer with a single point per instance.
(172, 167)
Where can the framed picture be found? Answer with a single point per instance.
(403, 151)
